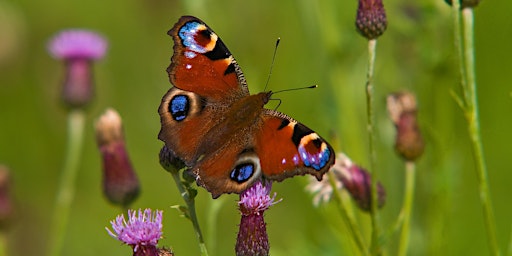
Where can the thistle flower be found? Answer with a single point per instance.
(371, 21)
(120, 183)
(402, 109)
(142, 231)
(351, 177)
(78, 49)
(252, 236)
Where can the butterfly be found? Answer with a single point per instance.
(224, 135)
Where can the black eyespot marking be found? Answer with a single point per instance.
(299, 131)
(317, 142)
(230, 69)
(179, 107)
(284, 123)
(205, 33)
(219, 52)
(242, 172)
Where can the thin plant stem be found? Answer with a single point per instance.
(212, 221)
(348, 219)
(3, 243)
(509, 253)
(191, 206)
(472, 117)
(405, 214)
(374, 214)
(66, 189)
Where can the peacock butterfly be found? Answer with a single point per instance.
(224, 135)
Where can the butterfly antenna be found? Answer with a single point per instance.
(294, 89)
(272, 64)
(290, 89)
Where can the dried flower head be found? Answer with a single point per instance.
(252, 236)
(402, 109)
(371, 21)
(78, 49)
(353, 178)
(141, 231)
(120, 183)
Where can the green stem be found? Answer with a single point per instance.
(212, 218)
(466, 50)
(474, 129)
(375, 244)
(191, 206)
(405, 214)
(3, 243)
(66, 190)
(347, 218)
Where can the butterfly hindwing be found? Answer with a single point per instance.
(289, 148)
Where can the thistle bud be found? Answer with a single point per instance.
(169, 161)
(402, 109)
(358, 182)
(120, 183)
(353, 178)
(78, 49)
(252, 236)
(371, 21)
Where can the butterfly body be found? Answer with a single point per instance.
(223, 134)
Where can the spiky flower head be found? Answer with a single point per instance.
(371, 21)
(78, 49)
(252, 236)
(141, 231)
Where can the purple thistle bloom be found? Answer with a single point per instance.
(78, 49)
(142, 231)
(76, 43)
(252, 236)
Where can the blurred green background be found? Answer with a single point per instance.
(319, 46)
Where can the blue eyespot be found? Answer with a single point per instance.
(179, 107)
(187, 34)
(317, 161)
(242, 172)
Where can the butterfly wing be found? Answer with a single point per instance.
(206, 81)
(202, 63)
(287, 148)
(276, 147)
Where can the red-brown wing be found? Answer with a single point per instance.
(206, 80)
(202, 64)
(287, 148)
